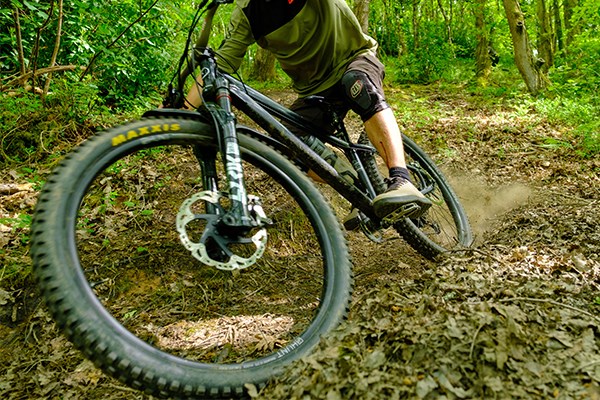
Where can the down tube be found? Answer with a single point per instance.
(248, 106)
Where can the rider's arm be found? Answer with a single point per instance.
(237, 40)
(229, 55)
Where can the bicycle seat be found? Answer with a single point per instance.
(325, 105)
(314, 100)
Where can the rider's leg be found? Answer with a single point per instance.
(363, 87)
(193, 99)
(384, 134)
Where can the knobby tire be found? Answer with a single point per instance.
(115, 277)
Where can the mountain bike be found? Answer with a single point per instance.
(190, 256)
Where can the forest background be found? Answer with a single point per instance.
(69, 68)
(507, 89)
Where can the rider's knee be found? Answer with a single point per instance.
(364, 97)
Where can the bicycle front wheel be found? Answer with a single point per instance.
(107, 252)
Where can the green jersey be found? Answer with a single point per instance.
(313, 40)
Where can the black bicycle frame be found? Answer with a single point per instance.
(265, 111)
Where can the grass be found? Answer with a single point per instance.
(574, 116)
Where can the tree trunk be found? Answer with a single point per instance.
(56, 47)
(20, 54)
(545, 47)
(447, 22)
(570, 25)
(361, 10)
(530, 71)
(415, 24)
(263, 68)
(483, 64)
(558, 27)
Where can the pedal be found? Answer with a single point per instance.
(352, 220)
(404, 211)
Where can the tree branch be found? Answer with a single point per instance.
(22, 78)
(553, 302)
(20, 53)
(56, 47)
(35, 52)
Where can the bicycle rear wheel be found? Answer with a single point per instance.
(124, 289)
(445, 225)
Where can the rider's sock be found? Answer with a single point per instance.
(399, 172)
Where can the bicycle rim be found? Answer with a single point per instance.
(214, 330)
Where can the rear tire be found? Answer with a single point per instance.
(445, 226)
(123, 288)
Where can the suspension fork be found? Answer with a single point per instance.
(217, 87)
(207, 158)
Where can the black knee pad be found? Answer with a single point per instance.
(364, 98)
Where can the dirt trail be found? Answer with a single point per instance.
(517, 316)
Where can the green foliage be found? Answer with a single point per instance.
(16, 265)
(425, 61)
(30, 130)
(125, 56)
(417, 68)
(576, 69)
(388, 27)
(576, 72)
(137, 63)
(130, 56)
(572, 97)
(580, 115)
(127, 47)
(18, 223)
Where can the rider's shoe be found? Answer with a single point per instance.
(401, 200)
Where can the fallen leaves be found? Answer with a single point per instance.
(478, 330)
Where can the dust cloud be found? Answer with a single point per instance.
(484, 202)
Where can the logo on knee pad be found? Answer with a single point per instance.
(356, 88)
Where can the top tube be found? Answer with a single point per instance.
(276, 109)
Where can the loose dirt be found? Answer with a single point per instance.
(515, 316)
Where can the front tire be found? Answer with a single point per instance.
(123, 288)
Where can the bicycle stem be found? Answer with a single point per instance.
(202, 41)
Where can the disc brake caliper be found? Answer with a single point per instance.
(214, 245)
